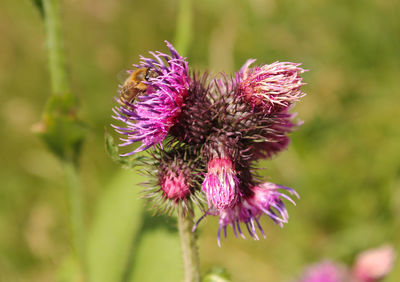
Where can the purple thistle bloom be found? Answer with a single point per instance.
(221, 184)
(149, 118)
(265, 199)
(271, 87)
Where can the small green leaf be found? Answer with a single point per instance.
(112, 149)
(39, 6)
(60, 128)
(217, 274)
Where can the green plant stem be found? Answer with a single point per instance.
(76, 218)
(55, 47)
(189, 247)
(60, 86)
(183, 27)
(185, 221)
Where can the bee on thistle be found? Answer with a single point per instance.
(136, 84)
(157, 108)
(204, 134)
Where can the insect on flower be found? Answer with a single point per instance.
(136, 84)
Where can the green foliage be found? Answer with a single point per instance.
(158, 256)
(116, 225)
(184, 27)
(69, 270)
(112, 150)
(60, 128)
(125, 243)
(217, 275)
(39, 6)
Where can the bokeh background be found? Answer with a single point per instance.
(344, 161)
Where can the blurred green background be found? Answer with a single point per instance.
(344, 161)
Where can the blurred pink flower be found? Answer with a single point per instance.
(374, 264)
(326, 271)
(370, 266)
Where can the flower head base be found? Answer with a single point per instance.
(274, 137)
(175, 181)
(221, 184)
(156, 108)
(271, 87)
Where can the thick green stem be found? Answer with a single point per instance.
(189, 247)
(77, 224)
(183, 27)
(55, 47)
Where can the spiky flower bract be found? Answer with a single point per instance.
(195, 121)
(149, 118)
(175, 180)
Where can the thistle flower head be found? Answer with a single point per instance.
(175, 180)
(216, 128)
(265, 133)
(271, 87)
(160, 97)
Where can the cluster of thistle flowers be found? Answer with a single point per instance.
(206, 133)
